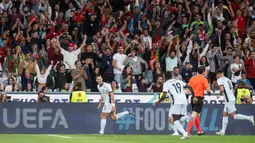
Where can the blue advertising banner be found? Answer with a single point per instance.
(59, 118)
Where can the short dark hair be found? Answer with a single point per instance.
(201, 69)
(99, 75)
(236, 56)
(168, 75)
(219, 71)
(77, 62)
(176, 68)
(187, 63)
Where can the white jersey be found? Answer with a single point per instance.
(228, 89)
(105, 90)
(175, 88)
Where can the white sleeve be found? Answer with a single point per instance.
(183, 84)
(165, 87)
(64, 52)
(114, 57)
(231, 68)
(109, 88)
(219, 82)
(78, 51)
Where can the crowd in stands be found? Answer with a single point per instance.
(131, 43)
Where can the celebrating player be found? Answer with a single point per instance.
(178, 110)
(109, 107)
(199, 84)
(226, 87)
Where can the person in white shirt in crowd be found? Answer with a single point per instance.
(9, 86)
(42, 75)
(72, 54)
(236, 69)
(147, 38)
(118, 65)
(176, 74)
(172, 57)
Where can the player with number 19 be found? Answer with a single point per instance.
(176, 90)
(226, 89)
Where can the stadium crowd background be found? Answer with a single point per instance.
(59, 43)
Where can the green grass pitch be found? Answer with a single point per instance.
(43, 138)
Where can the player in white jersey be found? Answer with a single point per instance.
(226, 89)
(176, 90)
(109, 107)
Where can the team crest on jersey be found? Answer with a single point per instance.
(79, 94)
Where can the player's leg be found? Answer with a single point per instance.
(171, 121)
(197, 119)
(115, 116)
(103, 122)
(184, 115)
(231, 110)
(196, 108)
(106, 110)
(194, 114)
(177, 111)
(224, 122)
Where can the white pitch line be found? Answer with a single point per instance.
(58, 136)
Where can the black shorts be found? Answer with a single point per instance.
(197, 107)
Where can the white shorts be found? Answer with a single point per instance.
(107, 108)
(229, 107)
(178, 109)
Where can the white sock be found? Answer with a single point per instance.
(224, 124)
(179, 127)
(241, 117)
(174, 128)
(119, 115)
(183, 119)
(102, 126)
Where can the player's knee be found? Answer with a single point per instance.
(170, 120)
(194, 114)
(113, 118)
(232, 115)
(103, 116)
(224, 114)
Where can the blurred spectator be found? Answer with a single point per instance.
(79, 75)
(10, 85)
(135, 63)
(245, 80)
(250, 67)
(127, 79)
(236, 68)
(71, 55)
(158, 86)
(176, 74)
(42, 75)
(42, 98)
(61, 75)
(186, 72)
(141, 84)
(243, 94)
(118, 65)
(105, 66)
(115, 87)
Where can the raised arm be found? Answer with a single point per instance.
(37, 69)
(204, 50)
(48, 69)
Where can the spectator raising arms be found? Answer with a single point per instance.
(71, 55)
(42, 75)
